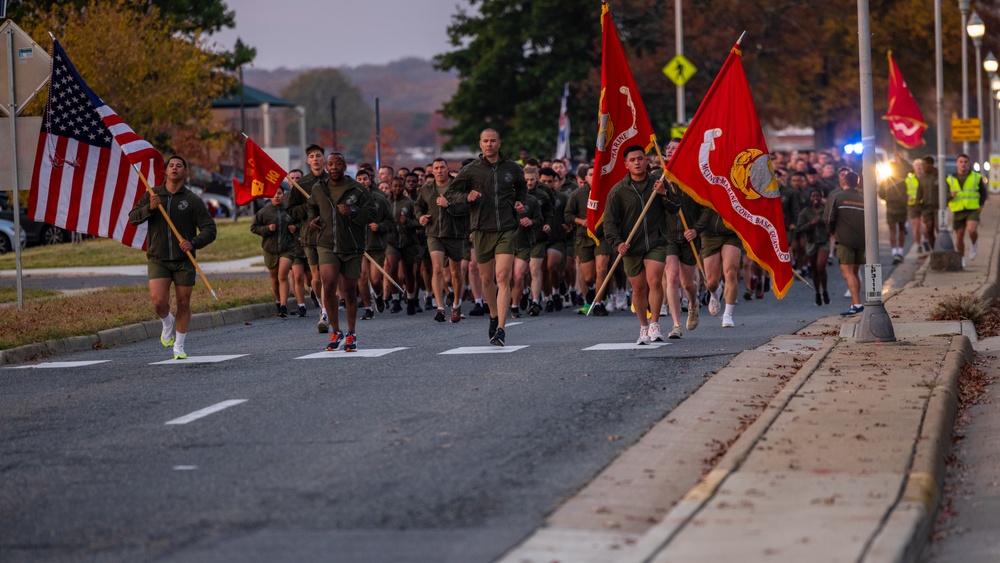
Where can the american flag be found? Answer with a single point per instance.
(83, 177)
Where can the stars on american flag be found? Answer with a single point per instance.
(73, 114)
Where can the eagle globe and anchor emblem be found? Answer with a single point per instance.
(753, 174)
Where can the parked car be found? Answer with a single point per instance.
(7, 235)
(37, 232)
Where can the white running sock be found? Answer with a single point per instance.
(729, 309)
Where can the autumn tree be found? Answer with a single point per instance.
(159, 82)
(517, 55)
(314, 90)
(185, 16)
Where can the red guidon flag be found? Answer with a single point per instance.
(261, 175)
(622, 121)
(723, 163)
(904, 117)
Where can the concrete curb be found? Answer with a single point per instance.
(132, 333)
(910, 522)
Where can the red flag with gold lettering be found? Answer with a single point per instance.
(723, 163)
(622, 121)
(904, 117)
(261, 175)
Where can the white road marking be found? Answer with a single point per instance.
(515, 323)
(206, 411)
(51, 365)
(482, 350)
(198, 360)
(362, 353)
(624, 346)
(185, 467)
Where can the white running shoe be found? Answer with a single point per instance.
(713, 305)
(323, 325)
(643, 336)
(963, 262)
(621, 301)
(664, 310)
(179, 353)
(655, 335)
(972, 252)
(847, 294)
(727, 321)
(167, 334)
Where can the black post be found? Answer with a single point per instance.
(333, 117)
(378, 138)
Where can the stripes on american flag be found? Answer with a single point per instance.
(83, 177)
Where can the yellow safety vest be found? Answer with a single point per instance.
(911, 188)
(966, 197)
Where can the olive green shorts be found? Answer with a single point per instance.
(350, 264)
(895, 216)
(585, 250)
(182, 272)
(453, 248)
(682, 249)
(412, 254)
(271, 260)
(848, 255)
(378, 256)
(913, 211)
(490, 243)
(634, 265)
(712, 245)
(960, 218)
(522, 253)
(312, 255)
(558, 246)
(812, 248)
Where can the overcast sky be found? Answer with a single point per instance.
(311, 33)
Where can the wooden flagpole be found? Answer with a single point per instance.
(680, 212)
(177, 234)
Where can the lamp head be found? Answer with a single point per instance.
(975, 27)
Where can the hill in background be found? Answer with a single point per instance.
(410, 92)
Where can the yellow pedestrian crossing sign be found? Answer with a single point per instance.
(679, 69)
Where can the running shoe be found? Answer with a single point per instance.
(350, 342)
(323, 325)
(167, 334)
(664, 310)
(819, 299)
(336, 341)
(379, 303)
(498, 338)
(456, 314)
(549, 307)
(654, 332)
(428, 302)
(826, 298)
(591, 294)
(684, 304)
(675, 333)
(713, 305)
(727, 321)
(277, 307)
(963, 262)
(599, 309)
(897, 259)
(515, 313)
(411, 306)
(692, 318)
(179, 353)
(396, 307)
(369, 314)
(847, 294)
(494, 321)
(557, 303)
(621, 300)
(854, 310)
(477, 310)
(312, 295)
(927, 247)
(534, 309)
(283, 311)
(302, 311)
(643, 336)
(972, 251)
(439, 316)
(748, 295)
(524, 301)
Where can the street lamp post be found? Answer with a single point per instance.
(976, 29)
(963, 8)
(943, 242)
(994, 88)
(990, 65)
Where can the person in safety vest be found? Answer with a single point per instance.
(966, 195)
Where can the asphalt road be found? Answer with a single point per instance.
(411, 456)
